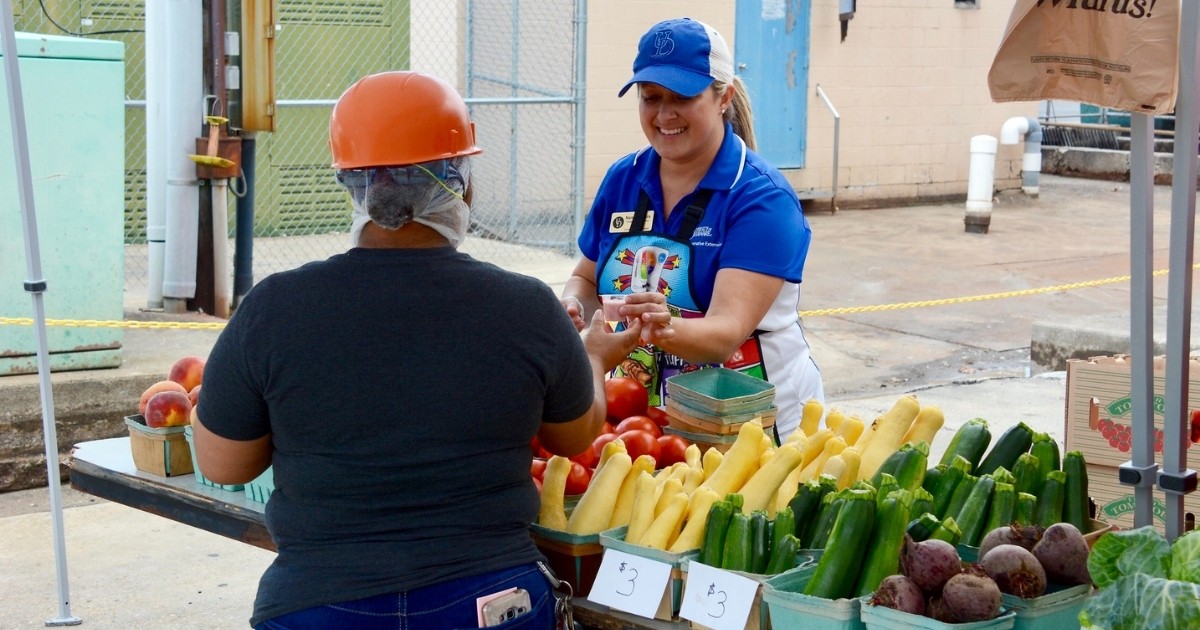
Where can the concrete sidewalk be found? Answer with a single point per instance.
(962, 348)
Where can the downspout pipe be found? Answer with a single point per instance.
(156, 148)
(1031, 163)
(981, 184)
(184, 118)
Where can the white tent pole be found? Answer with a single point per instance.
(1174, 478)
(1141, 270)
(36, 285)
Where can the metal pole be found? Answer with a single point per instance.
(36, 286)
(579, 90)
(243, 247)
(1175, 479)
(1140, 472)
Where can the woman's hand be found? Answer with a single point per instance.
(606, 347)
(651, 310)
(574, 309)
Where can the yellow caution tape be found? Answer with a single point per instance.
(89, 323)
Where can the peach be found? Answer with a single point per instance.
(194, 395)
(187, 371)
(168, 409)
(161, 386)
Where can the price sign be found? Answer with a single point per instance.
(630, 583)
(717, 599)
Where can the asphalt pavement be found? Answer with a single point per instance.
(896, 300)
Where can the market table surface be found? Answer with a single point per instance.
(104, 468)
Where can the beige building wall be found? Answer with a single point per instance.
(910, 84)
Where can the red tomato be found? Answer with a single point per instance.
(671, 450)
(600, 441)
(626, 397)
(538, 482)
(587, 458)
(638, 423)
(538, 468)
(607, 428)
(659, 416)
(639, 442)
(535, 445)
(578, 479)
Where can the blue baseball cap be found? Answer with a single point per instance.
(682, 55)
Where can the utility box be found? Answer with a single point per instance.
(74, 107)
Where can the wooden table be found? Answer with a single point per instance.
(104, 468)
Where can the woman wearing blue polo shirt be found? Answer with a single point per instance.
(705, 238)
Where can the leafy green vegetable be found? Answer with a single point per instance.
(1185, 558)
(1125, 552)
(1142, 602)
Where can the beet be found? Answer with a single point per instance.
(1015, 570)
(929, 563)
(1063, 552)
(1020, 535)
(970, 598)
(936, 610)
(899, 593)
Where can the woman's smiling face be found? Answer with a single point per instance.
(680, 128)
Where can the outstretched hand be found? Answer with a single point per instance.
(606, 346)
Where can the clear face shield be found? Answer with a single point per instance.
(429, 193)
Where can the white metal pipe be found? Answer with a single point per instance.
(222, 283)
(981, 183)
(156, 140)
(1031, 162)
(185, 117)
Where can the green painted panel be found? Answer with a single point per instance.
(75, 119)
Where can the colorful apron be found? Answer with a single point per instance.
(643, 261)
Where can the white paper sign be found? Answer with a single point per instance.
(630, 583)
(717, 599)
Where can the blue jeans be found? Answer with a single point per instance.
(447, 605)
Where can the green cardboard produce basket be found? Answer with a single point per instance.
(789, 607)
(720, 391)
(615, 539)
(260, 489)
(883, 618)
(574, 559)
(1058, 608)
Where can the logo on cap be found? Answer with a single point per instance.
(663, 44)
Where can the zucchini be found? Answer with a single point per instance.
(826, 520)
(922, 527)
(1046, 450)
(1014, 441)
(715, 528)
(805, 506)
(783, 525)
(736, 556)
(907, 465)
(783, 556)
(931, 477)
(973, 515)
(1049, 508)
(949, 531)
(1026, 504)
(1004, 504)
(760, 542)
(736, 500)
(922, 502)
(842, 560)
(887, 537)
(959, 498)
(970, 441)
(1075, 501)
(886, 485)
(947, 483)
(1001, 475)
(1028, 475)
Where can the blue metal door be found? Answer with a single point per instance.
(771, 56)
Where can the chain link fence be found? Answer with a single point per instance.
(514, 61)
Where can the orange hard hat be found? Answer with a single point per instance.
(400, 117)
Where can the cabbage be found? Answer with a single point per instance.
(1185, 558)
(1121, 553)
(1143, 602)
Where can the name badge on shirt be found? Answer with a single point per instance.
(621, 222)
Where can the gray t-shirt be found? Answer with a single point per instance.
(401, 389)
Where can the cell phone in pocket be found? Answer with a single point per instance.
(505, 608)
